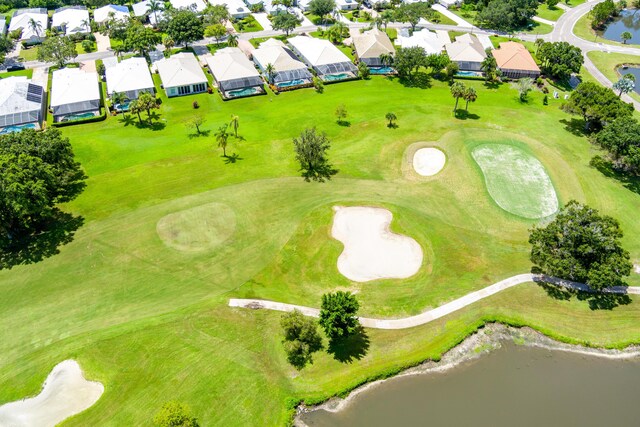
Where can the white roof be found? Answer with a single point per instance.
(120, 13)
(466, 48)
(13, 96)
(235, 7)
(129, 75)
(372, 44)
(21, 19)
(199, 4)
(317, 51)
(73, 18)
(71, 85)
(425, 39)
(181, 69)
(230, 64)
(277, 56)
(142, 9)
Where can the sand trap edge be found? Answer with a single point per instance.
(409, 173)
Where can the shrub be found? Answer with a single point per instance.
(318, 84)
(195, 104)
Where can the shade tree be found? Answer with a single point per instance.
(311, 153)
(301, 338)
(338, 315)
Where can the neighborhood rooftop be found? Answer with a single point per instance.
(180, 69)
(286, 66)
(130, 76)
(20, 101)
(322, 55)
(371, 44)
(74, 19)
(74, 90)
(22, 19)
(104, 13)
(233, 70)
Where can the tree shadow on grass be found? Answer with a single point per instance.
(232, 158)
(575, 126)
(420, 80)
(596, 300)
(151, 125)
(461, 114)
(128, 120)
(28, 249)
(199, 134)
(344, 123)
(348, 349)
(606, 168)
(492, 85)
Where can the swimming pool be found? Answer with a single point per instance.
(334, 77)
(17, 128)
(74, 117)
(243, 92)
(122, 107)
(290, 83)
(382, 70)
(469, 74)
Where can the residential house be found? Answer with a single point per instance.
(288, 71)
(74, 94)
(234, 73)
(32, 22)
(181, 74)
(329, 63)
(141, 10)
(515, 61)
(370, 45)
(347, 5)
(131, 77)
(197, 5)
(428, 40)
(21, 103)
(467, 51)
(111, 11)
(71, 20)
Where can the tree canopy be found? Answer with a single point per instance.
(311, 152)
(185, 26)
(411, 13)
(583, 246)
(140, 39)
(621, 139)
(409, 60)
(507, 15)
(602, 12)
(6, 45)
(301, 338)
(338, 314)
(560, 59)
(175, 414)
(285, 21)
(322, 7)
(597, 105)
(57, 49)
(38, 170)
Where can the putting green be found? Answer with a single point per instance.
(516, 181)
(197, 229)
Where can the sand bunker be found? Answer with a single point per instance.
(371, 250)
(65, 393)
(428, 161)
(197, 229)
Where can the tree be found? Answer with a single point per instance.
(338, 315)
(470, 95)
(271, 72)
(136, 108)
(153, 7)
(438, 62)
(175, 414)
(621, 139)
(185, 27)
(337, 32)
(217, 31)
(560, 59)
(539, 43)
(57, 49)
(311, 152)
(168, 42)
(140, 39)
(38, 171)
(195, 122)
(301, 338)
(523, 86)
(147, 102)
(451, 70)
(363, 70)
(232, 40)
(322, 8)
(235, 124)
(507, 15)
(551, 4)
(35, 26)
(597, 105)
(216, 14)
(386, 59)
(411, 13)
(7, 44)
(457, 91)
(119, 98)
(583, 246)
(624, 85)
(490, 67)
(391, 117)
(222, 137)
(341, 113)
(285, 21)
(409, 60)
(601, 13)
(626, 36)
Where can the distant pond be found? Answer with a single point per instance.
(513, 386)
(635, 71)
(629, 20)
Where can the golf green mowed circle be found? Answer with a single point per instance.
(197, 229)
(516, 180)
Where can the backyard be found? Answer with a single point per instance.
(148, 318)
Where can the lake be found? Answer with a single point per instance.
(636, 73)
(514, 385)
(627, 21)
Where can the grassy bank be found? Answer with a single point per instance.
(608, 64)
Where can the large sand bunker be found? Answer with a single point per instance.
(428, 161)
(371, 250)
(197, 229)
(65, 393)
(516, 181)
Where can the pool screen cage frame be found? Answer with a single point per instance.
(240, 83)
(335, 68)
(76, 107)
(290, 75)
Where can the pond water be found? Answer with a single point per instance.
(515, 385)
(629, 20)
(636, 73)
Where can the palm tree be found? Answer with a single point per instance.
(337, 32)
(86, 23)
(626, 36)
(386, 59)
(235, 124)
(539, 43)
(457, 91)
(470, 95)
(232, 40)
(168, 42)
(35, 26)
(271, 72)
(489, 66)
(523, 86)
(154, 7)
(119, 98)
(222, 136)
(391, 117)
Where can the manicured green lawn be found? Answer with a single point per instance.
(150, 320)
(444, 20)
(608, 63)
(552, 14)
(26, 72)
(247, 25)
(583, 30)
(30, 54)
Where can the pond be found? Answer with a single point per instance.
(514, 385)
(635, 71)
(628, 20)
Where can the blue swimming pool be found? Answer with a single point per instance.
(17, 128)
(122, 107)
(469, 74)
(80, 116)
(290, 83)
(382, 70)
(247, 91)
(334, 77)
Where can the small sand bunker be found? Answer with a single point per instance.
(197, 229)
(371, 250)
(428, 161)
(636, 268)
(65, 393)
